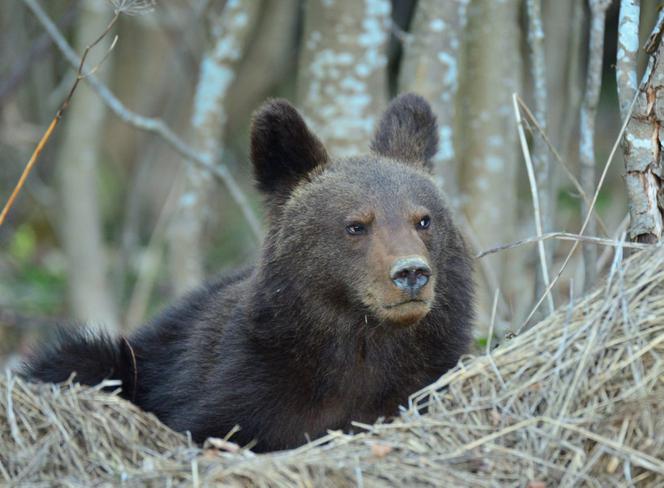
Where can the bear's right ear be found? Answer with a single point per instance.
(407, 131)
(283, 149)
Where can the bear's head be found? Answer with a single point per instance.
(372, 233)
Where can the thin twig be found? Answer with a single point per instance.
(566, 236)
(604, 257)
(536, 201)
(58, 116)
(148, 124)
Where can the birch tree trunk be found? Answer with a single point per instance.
(231, 30)
(644, 136)
(342, 84)
(430, 67)
(77, 164)
(489, 160)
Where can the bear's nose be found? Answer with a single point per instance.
(410, 274)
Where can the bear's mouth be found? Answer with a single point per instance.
(405, 313)
(406, 302)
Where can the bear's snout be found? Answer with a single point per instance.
(410, 274)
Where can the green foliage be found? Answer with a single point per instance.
(23, 245)
(35, 281)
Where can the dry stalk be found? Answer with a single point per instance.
(566, 236)
(534, 191)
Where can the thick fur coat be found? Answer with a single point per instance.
(362, 294)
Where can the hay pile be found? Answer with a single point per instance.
(577, 400)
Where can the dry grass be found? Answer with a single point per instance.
(576, 400)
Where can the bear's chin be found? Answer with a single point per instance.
(405, 314)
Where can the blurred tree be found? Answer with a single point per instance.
(269, 60)
(430, 67)
(231, 29)
(342, 80)
(77, 163)
(489, 158)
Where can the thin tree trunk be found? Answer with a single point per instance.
(628, 47)
(643, 140)
(489, 160)
(430, 67)
(77, 164)
(231, 30)
(587, 127)
(342, 84)
(540, 155)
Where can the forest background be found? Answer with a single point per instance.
(144, 189)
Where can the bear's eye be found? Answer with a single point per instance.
(356, 228)
(424, 223)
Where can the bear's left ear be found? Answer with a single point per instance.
(408, 131)
(283, 149)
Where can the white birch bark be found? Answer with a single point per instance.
(628, 46)
(342, 84)
(587, 127)
(77, 164)
(644, 136)
(430, 67)
(231, 29)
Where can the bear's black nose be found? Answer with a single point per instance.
(410, 274)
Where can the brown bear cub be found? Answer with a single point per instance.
(362, 295)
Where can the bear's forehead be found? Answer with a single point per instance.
(367, 181)
(376, 173)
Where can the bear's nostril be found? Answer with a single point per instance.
(410, 274)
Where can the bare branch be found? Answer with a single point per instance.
(148, 124)
(566, 236)
(587, 123)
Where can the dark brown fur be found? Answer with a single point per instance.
(316, 334)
